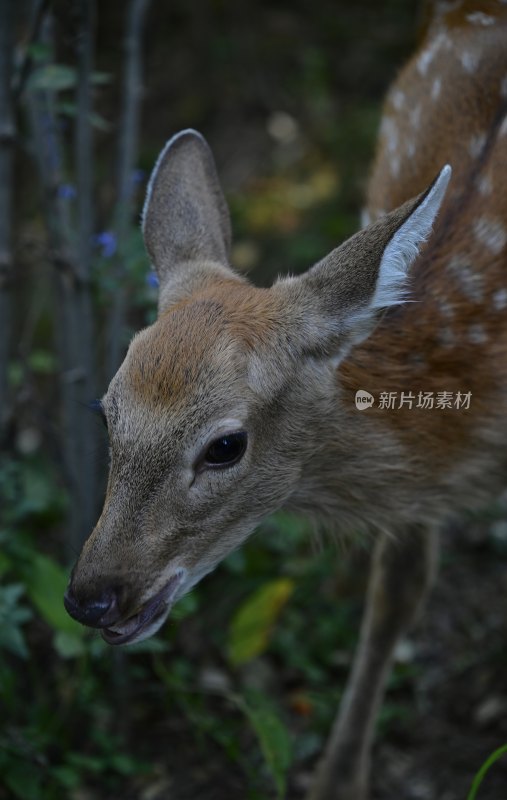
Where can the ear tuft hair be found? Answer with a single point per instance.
(403, 248)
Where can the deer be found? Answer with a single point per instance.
(239, 401)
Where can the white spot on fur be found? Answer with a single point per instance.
(403, 248)
(397, 99)
(447, 5)
(394, 165)
(500, 300)
(502, 131)
(491, 233)
(484, 185)
(446, 337)
(411, 148)
(415, 116)
(446, 309)
(479, 18)
(470, 282)
(427, 55)
(469, 60)
(389, 131)
(436, 88)
(477, 335)
(425, 60)
(476, 144)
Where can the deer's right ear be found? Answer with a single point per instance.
(336, 304)
(185, 223)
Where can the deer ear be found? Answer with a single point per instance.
(185, 222)
(338, 301)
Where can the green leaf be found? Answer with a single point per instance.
(188, 605)
(69, 645)
(35, 492)
(22, 780)
(46, 582)
(42, 361)
(5, 563)
(153, 645)
(123, 764)
(12, 616)
(236, 562)
(273, 737)
(98, 122)
(253, 623)
(53, 78)
(68, 777)
(15, 373)
(481, 774)
(11, 639)
(39, 52)
(82, 761)
(101, 78)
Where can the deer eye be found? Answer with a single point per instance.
(226, 451)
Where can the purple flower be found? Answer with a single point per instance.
(137, 176)
(107, 242)
(66, 191)
(152, 279)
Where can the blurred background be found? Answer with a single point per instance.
(236, 695)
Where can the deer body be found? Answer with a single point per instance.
(239, 400)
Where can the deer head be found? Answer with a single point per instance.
(221, 404)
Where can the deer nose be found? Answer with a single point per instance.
(97, 612)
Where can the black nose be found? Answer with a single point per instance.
(97, 612)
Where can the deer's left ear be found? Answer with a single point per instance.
(336, 304)
(186, 225)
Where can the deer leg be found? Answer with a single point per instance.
(401, 573)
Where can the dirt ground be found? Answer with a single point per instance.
(459, 703)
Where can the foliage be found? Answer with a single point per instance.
(481, 773)
(253, 621)
(12, 616)
(272, 734)
(31, 591)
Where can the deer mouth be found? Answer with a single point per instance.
(148, 619)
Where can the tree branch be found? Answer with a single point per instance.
(7, 139)
(85, 354)
(127, 153)
(71, 257)
(21, 75)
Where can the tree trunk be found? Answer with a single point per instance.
(127, 154)
(7, 137)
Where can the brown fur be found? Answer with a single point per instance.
(408, 350)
